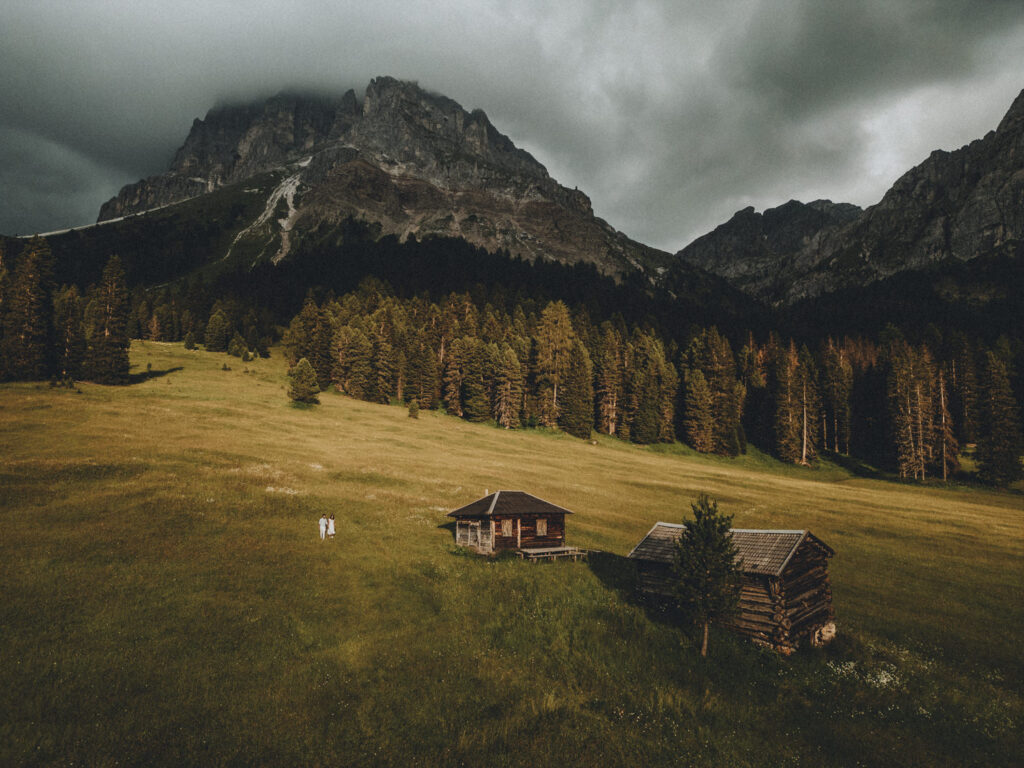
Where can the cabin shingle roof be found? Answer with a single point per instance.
(763, 552)
(509, 503)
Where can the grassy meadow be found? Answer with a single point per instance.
(166, 599)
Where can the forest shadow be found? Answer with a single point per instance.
(855, 466)
(141, 376)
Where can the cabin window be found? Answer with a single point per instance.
(506, 527)
(542, 527)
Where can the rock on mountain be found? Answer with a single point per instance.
(954, 206)
(405, 160)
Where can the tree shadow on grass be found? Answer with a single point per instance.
(618, 574)
(141, 376)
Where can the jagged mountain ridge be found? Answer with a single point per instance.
(408, 161)
(747, 249)
(955, 206)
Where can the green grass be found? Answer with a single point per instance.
(167, 600)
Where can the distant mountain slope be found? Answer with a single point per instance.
(954, 206)
(981, 297)
(404, 160)
(748, 248)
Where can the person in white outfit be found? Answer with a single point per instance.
(330, 527)
(323, 526)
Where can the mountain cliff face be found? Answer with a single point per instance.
(748, 248)
(954, 206)
(407, 161)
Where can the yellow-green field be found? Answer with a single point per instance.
(166, 599)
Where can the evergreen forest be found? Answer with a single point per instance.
(490, 338)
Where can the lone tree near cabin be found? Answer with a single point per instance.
(708, 580)
(304, 387)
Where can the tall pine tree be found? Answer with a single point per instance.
(218, 332)
(454, 372)
(947, 449)
(576, 415)
(69, 334)
(836, 389)
(353, 370)
(788, 412)
(711, 353)
(609, 377)
(809, 405)
(106, 353)
(508, 388)
(911, 409)
(28, 329)
(555, 336)
(705, 567)
(999, 435)
(303, 387)
(698, 419)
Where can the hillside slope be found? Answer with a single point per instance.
(167, 598)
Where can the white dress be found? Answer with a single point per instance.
(330, 527)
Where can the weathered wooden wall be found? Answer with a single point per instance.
(528, 532)
(780, 612)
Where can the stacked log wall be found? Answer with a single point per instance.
(806, 590)
(779, 612)
(760, 615)
(654, 579)
(527, 537)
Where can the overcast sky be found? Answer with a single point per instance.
(670, 114)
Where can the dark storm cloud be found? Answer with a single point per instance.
(670, 115)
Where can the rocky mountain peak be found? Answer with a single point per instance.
(750, 248)
(955, 206)
(1013, 120)
(413, 125)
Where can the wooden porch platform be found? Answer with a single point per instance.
(552, 553)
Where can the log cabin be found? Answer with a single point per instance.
(510, 520)
(785, 597)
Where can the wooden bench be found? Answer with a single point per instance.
(552, 553)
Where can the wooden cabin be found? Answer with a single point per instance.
(510, 520)
(786, 596)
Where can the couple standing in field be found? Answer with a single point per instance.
(326, 526)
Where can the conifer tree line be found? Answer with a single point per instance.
(906, 407)
(189, 312)
(57, 332)
(524, 359)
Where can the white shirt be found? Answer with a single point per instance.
(323, 524)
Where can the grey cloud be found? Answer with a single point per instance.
(48, 186)
(670, 115)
